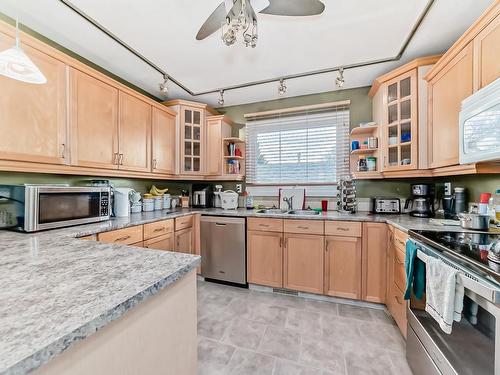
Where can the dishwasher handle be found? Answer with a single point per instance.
(220, 224)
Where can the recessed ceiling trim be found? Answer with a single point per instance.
(406, 42)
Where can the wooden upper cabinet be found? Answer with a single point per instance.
(94, 122)
(134, 134)
(487, 54)
(303, 264)
(446, 90)
(192, 140)
(265, 258)
(374, 262)
(33, 117)
(163, 140)
(343, 267)
(217, 128)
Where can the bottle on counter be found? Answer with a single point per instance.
(494, 206)
(484, 199)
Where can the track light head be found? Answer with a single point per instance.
(164, 85)
(339, 81)
(282, 89)
(221, 98)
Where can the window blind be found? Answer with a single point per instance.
(298, 148)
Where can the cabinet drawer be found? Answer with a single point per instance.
(264, 224)
(304, 226)
(183, 222)
(398, 309)
(399, 269)
(158, 228)
(400, 238)
(126, 236)
(343, 228)
(163, 242)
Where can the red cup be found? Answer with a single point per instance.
(324, 206)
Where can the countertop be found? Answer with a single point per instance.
(57, 290)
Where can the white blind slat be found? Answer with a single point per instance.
(300, 148)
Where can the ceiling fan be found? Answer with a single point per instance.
(239, 17)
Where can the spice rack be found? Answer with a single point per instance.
(233, 151)
(362, 134)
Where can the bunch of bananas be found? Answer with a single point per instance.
(156, 192)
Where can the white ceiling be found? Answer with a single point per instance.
(348, 32)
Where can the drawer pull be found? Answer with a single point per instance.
(398, 261)
(343, 229)
(302, 227)
(401, 242)
(264, 225)
(122, 238)
(398, 300)
(159, 229)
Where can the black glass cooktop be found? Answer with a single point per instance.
(474, 247)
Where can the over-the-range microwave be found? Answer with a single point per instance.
(30, 208)
(479, 134)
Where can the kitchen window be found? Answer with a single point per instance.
(298, 147)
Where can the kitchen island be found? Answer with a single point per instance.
(83, 307)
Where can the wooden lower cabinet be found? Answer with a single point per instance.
(265, 258)
(374, 262)
(184, 240)
(163, 242)
(343, 267)
(303, 262)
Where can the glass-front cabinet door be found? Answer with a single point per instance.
(192, 140)
(399, 128)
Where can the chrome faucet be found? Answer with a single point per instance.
(289, 202)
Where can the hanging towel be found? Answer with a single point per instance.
(415, 272)
(444, 296)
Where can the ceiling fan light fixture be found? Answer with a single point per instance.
(241, 26)
(221, 98)
(282, 89)
(339, 81)
(164, 85)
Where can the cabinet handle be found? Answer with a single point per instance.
(281, 241)
(63, 152)
(264, 225)
(120, 161)
(326, 248)
(398, 300)
(159, 230)
(302, 227)
(115, 158)
(385, 161)
(122, 238)
(401, 242)
(154, 163)
(398, 261)
(343, 229)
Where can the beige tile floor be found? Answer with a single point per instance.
(244, 332)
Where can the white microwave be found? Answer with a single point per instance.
(480, 125)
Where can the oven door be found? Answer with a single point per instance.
(470, 349)
(53, 207)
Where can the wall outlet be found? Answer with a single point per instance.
(447, 188)
(239, 188)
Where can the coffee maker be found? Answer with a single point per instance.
(202, 195)
(421, 202)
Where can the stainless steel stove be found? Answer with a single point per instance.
(473, 347)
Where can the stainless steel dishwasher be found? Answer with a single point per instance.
(223, 250)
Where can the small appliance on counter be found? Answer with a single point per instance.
(121, 201)
(202, 196)
(217, 202)
(385, 205)
(346, 195)
(421, 203)
(229, 200)
(30, 208)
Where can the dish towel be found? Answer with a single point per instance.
(444, 296)
(415, 272)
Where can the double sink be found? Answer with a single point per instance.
(277, 211)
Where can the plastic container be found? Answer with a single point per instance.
(166, 201)
(148, 204)
(371, 163)
(136, 208)
(495, 205)
(158, 203)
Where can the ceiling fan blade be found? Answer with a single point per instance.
(294, 7)
(213, 22)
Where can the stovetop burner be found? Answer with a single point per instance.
(480, 248)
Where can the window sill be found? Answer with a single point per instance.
(311, 190)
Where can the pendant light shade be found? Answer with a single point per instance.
(15, 64)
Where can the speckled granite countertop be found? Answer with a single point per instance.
(57, 290)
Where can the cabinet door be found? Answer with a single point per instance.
(163, 142)
(343, 267)
(164, 242)
(184, 241)
(33, 117)
(213, 165)
(400, 123)
(446, 92)
(265, 258)
(192, 135)
(487, 55)
(374, 262)
(94, 122)
(135, 134)
(303, 264)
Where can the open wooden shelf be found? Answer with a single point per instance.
(360, 151)
(233, 157)
(364, 130)
(233, 140)
(369, 175)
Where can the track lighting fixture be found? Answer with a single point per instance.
(221, 98)
(164, 85)
(339, 81)
(282, 88)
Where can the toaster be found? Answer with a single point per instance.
(385, 205)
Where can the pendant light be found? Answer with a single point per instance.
(15, 64)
